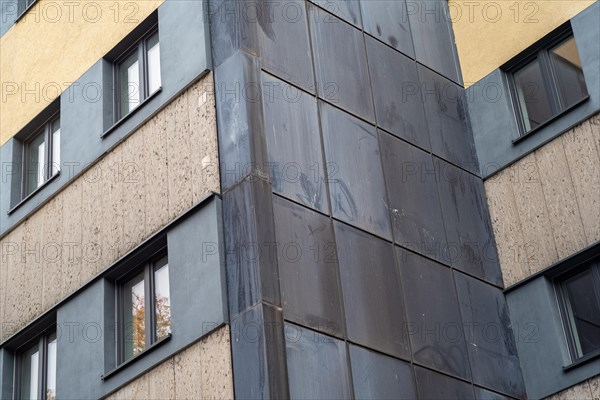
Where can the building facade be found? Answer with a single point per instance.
(299, 199)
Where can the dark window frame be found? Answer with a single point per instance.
(563, 303)
(141, 48)
(540, 51)
(41, 341)
(46, 131)
(148, 267)
(23, 6)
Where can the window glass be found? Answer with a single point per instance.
(153, 63)
(30, 374)
(36, 159)
(51, 372)
(582, 300)
(532, 95)
(129, 78)
(569, 73)
(134, 313)
(55, 147)
(162, 299)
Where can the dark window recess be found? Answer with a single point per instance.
(23, 6)
(579, 298)
(41, 158)
(144, 308)
(546, 80)
(36, 369)
(137, 74)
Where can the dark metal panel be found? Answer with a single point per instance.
(284, 42)
(388, 21)
(373, 301)
(434, 386)
(482, 394)
(434, 323)
(354, 172)
(308, 268)
(233, 27)
(317, 365)
(252, 274)
(348, 10)
(471, 245)
(447, 120)
(488, 332)
(294, 144)
(431, 28)
(413, 198)
(257, 347)
(376, 376)
(341, 64)
(398, 103)
(242, 146)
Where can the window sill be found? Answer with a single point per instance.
(32, 194)
(126, 117)
(136, 358)
(550, 120)
(582, 360)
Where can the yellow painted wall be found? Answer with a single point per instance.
(489, 33)
(53, 45)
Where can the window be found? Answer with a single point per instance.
(36, 369)
(144, 308)
(24, 6)
(137, 74)
(579, 297)
(548, 81)
(41, 156)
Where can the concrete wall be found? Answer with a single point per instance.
(546, 206)
(202, 371)
(588, 390)
(33, 74)
(161, 170)
(489, 33)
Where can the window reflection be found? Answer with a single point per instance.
(51, 373)
(569, 73)
(532, 95)
(130, 84)
(162, 299)
(30, 374)
(134, 317)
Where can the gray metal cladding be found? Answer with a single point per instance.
(348, 10)
(355, 177)
(433, 315)
(365, 177)
(413, 198)
(341, 64)
(432, 36)
(294, 144)
(447, 119)
(471, 246)
(398, 103)
(285, 44)
(482, 394)
(317, 365)
(308, 268)
(388, 21)
(490, 341)
(434, 386)
(372, 296)
(377, 376)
